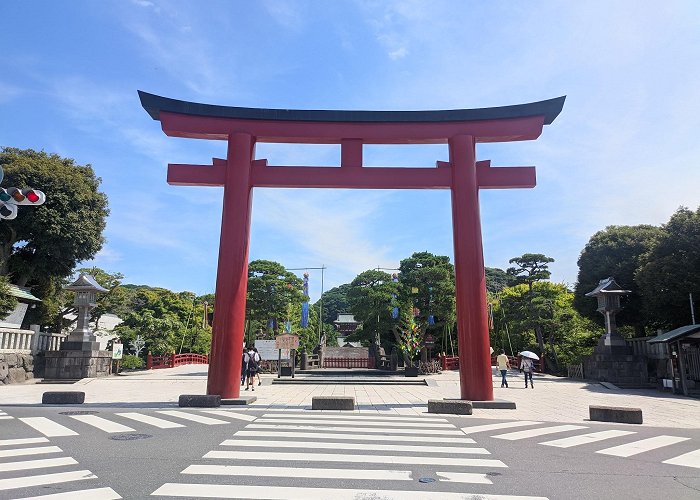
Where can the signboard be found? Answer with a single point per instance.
(268, 350)
(117, 351)
(287, 341)
(429, 341)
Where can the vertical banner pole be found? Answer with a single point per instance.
(470, 280)
(232, 275)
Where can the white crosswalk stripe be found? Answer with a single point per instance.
(464, 477)
(43, 479)
(358, 416)
(411, 438)
(636, 447)
(542, 431)
(230, 414)
(150, 420)
(193, 417)
(36, 464)
(375, 459)
(90, 494)
(593, 437)
(369, 422)
(285, 492)
(691, 459)
(492, 427)
(325, 445)
(48, 427)
(15, 442)
(18, 452)
(245, 470)
(102, 423)
(367, 430)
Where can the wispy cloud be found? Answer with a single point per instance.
(287, 13)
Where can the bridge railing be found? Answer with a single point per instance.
(173, 360)
(348, 362)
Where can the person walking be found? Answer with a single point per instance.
(527, 366)
(258, 359)
(503, 365)
(252, 369)
(244, 367)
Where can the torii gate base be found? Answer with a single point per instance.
(462, 174)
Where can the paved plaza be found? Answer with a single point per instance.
(553, 399)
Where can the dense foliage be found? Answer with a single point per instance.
(49, 240)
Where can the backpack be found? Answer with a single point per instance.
(252, 363)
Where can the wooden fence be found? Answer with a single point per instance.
(173, 360)
(348, 362)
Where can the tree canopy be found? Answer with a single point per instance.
(49, 240)
(671, 271)
(618, 252)
(272, 291)
(529, 269)
(370, 297)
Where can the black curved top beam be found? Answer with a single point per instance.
(154, 104)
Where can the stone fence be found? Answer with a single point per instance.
(22, 351)
(13, 340)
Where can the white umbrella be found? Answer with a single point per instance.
(530, 354)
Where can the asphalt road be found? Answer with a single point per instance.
(244, 453)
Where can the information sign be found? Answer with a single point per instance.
(117, 351)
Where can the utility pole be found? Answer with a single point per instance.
(692, 308)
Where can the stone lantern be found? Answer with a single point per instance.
(83, 338)
(612, 359)
(608, 293)
(80, 355)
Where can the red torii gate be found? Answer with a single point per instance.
(461, 129)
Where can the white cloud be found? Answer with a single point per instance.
(286, 13)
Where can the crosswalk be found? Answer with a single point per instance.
(72, 425)
(625, 450)
(18, 472)
(282, 456)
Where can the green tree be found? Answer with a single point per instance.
(672, 271)
(7, 301)
(617, 251)
(335, 301)
(370, 299)
(168, 321)
(271, 291)
(496, 279)
(530, 268)
(51, 239)
(427, 281)
(568, 335)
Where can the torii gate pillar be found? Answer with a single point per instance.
(470, 281)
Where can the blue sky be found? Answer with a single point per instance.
(625, 149)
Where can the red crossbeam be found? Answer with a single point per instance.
(353, 177)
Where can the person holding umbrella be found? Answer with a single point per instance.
(528, 366)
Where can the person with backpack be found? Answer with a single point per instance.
(252, 368)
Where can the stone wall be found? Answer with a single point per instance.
(16, 368)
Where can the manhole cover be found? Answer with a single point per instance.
(130, 437)
(78, 412)
(427, 480)
(493, 474)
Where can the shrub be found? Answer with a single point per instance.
(131, 362)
